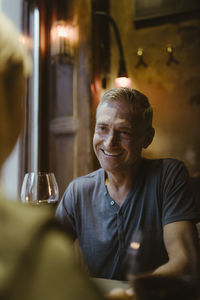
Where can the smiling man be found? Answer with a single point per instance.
(130, 195)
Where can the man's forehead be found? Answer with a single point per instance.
(107, 119)
(108, 114)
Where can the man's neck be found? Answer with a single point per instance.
(120, 183)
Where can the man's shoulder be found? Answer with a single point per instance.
(90, 178)
(163, 168)
(163, 163)
(84, 188)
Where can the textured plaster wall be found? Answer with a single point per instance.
(174, 90)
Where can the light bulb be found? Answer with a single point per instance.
(123, 82)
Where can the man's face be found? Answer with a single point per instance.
(117, 142)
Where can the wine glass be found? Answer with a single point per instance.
(40, 189)
(133, 255)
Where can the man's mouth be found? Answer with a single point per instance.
(111, 154)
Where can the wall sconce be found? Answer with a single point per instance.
(140, 53)
(171, 58)
(63, 40)
(122, 80)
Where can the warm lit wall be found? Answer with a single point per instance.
(174, 91)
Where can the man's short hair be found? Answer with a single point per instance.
(139, 102)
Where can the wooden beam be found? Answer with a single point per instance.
(64, 125)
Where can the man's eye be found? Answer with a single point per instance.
(125, 133)
(101, 128)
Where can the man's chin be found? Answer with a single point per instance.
(109, 168)
(118, 168)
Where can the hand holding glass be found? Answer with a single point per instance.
(39, 189)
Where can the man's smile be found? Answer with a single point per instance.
(111, 154)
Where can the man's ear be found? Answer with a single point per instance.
(148, 137)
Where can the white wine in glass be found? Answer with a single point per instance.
(40, 189)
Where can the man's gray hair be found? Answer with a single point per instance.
(140, 103)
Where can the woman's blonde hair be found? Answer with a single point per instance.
(12, 51)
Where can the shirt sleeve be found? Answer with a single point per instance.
(178, 203)
(65, 212)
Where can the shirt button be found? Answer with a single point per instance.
(112, 202)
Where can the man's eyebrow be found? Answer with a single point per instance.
(101, 123)
(126, 127)
(124, 124)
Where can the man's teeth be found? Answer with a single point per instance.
(111, 153)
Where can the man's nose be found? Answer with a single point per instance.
(111, 139)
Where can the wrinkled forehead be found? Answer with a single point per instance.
(122, 112)
(120, 106)
(117, 103)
